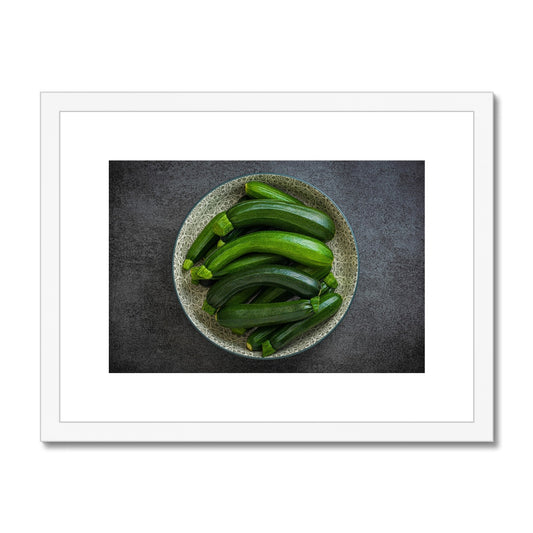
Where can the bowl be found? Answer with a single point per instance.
(191, 297)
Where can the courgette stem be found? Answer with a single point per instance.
(204, 272)
(267, 349)
(195, 279)
(209, 308)
(315, 302)
(223, 226)
(331, 281)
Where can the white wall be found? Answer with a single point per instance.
(233, 45)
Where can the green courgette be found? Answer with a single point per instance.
(300, 248)
(241, 264)
(250, 315)
(286, 277)
(328, 305)
(258, 189)
(281, 215)
(273, 294)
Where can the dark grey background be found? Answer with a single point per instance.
(383, 331)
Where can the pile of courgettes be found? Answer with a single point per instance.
(267, 267)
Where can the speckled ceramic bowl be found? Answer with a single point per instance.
(345, 264)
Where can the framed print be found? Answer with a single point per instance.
(267, 267)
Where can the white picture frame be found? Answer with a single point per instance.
(451, 402)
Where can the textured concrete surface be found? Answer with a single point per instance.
(383, 331)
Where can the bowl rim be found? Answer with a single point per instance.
(252, 357)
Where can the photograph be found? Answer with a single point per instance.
(266, 266)
(322, 279)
